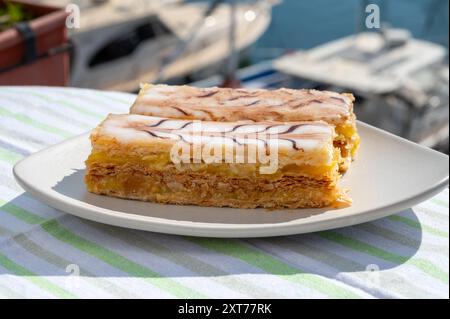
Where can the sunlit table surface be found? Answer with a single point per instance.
(46, 253)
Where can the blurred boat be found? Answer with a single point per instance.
(122, 43)
(401, 83)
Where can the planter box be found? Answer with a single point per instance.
(51, 66)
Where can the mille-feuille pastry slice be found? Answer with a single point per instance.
(228, 105)
(235, 164)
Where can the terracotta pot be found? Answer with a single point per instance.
(51, 67)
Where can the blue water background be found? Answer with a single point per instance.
(302, 24)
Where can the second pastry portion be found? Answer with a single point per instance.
(229, 105)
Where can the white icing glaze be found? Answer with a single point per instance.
(292, 136)
(222, 104)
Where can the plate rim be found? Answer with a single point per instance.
(70, 205)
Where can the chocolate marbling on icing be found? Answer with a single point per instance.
(129, 128)
(224, 104)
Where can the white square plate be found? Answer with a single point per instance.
(390, 174)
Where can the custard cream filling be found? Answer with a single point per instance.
(162, 162)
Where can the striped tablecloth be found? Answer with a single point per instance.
(48, 253)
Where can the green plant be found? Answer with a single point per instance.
(11, 13)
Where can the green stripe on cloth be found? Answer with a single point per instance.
(355, 244)
(38, 281)
(9, 157)
(32, 122)
(273, 266)
(60, 262)
(57, 114)
(417, 225)
(440, 202)
(427, 212)
(194, 264)
(346, 266)
(76, 108)
(21, 213)
(53, 228)
(388, 234)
